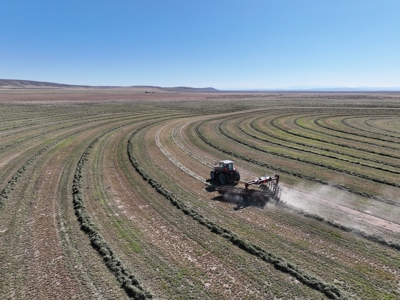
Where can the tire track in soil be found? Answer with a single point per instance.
(174, 160)
(190, 149)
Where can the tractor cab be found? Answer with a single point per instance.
(224, 171)
(224, 166)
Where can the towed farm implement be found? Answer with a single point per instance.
(268, 186)
(268, 190)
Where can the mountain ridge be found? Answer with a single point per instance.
(31, 84)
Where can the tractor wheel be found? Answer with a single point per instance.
(222, 178)
(212, 175)
(237, 176)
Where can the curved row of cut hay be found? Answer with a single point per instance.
(346, 121)
(272, 123)
(129, 282)
(386, 156)
(351, 122)
(16, 143)
(311, 152)
(318, 122)
(18, 174)
(368, 123)
(127, 279)
(189, 153)
(359, 162)
(295, 142)
(279, 263)
(326, 166)
(296, 122)
(32, 137)
(28, 122)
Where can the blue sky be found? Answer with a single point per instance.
(224, 44)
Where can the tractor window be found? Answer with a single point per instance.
(230, 167)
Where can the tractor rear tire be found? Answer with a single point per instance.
(222, 178)
(212, 175)
(237, 176)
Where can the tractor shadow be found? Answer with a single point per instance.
(240, 199)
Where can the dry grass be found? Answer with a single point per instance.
(105, 193)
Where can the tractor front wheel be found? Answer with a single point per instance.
(222, 178)
(212, 175)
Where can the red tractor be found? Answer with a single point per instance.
(224, 172)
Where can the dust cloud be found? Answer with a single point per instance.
(339, 208)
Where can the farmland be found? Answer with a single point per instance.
(106, 194)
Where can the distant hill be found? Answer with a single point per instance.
(30, 84)
(176, 89)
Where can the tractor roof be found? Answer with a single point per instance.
(227, 161)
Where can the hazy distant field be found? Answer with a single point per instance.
(106, 194)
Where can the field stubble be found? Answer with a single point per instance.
(144, 190)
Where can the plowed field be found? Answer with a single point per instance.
(105, 194)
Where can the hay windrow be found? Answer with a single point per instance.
(176, 245)
(18, 174)
(348, 172)
(319, 148)
(125, 277)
